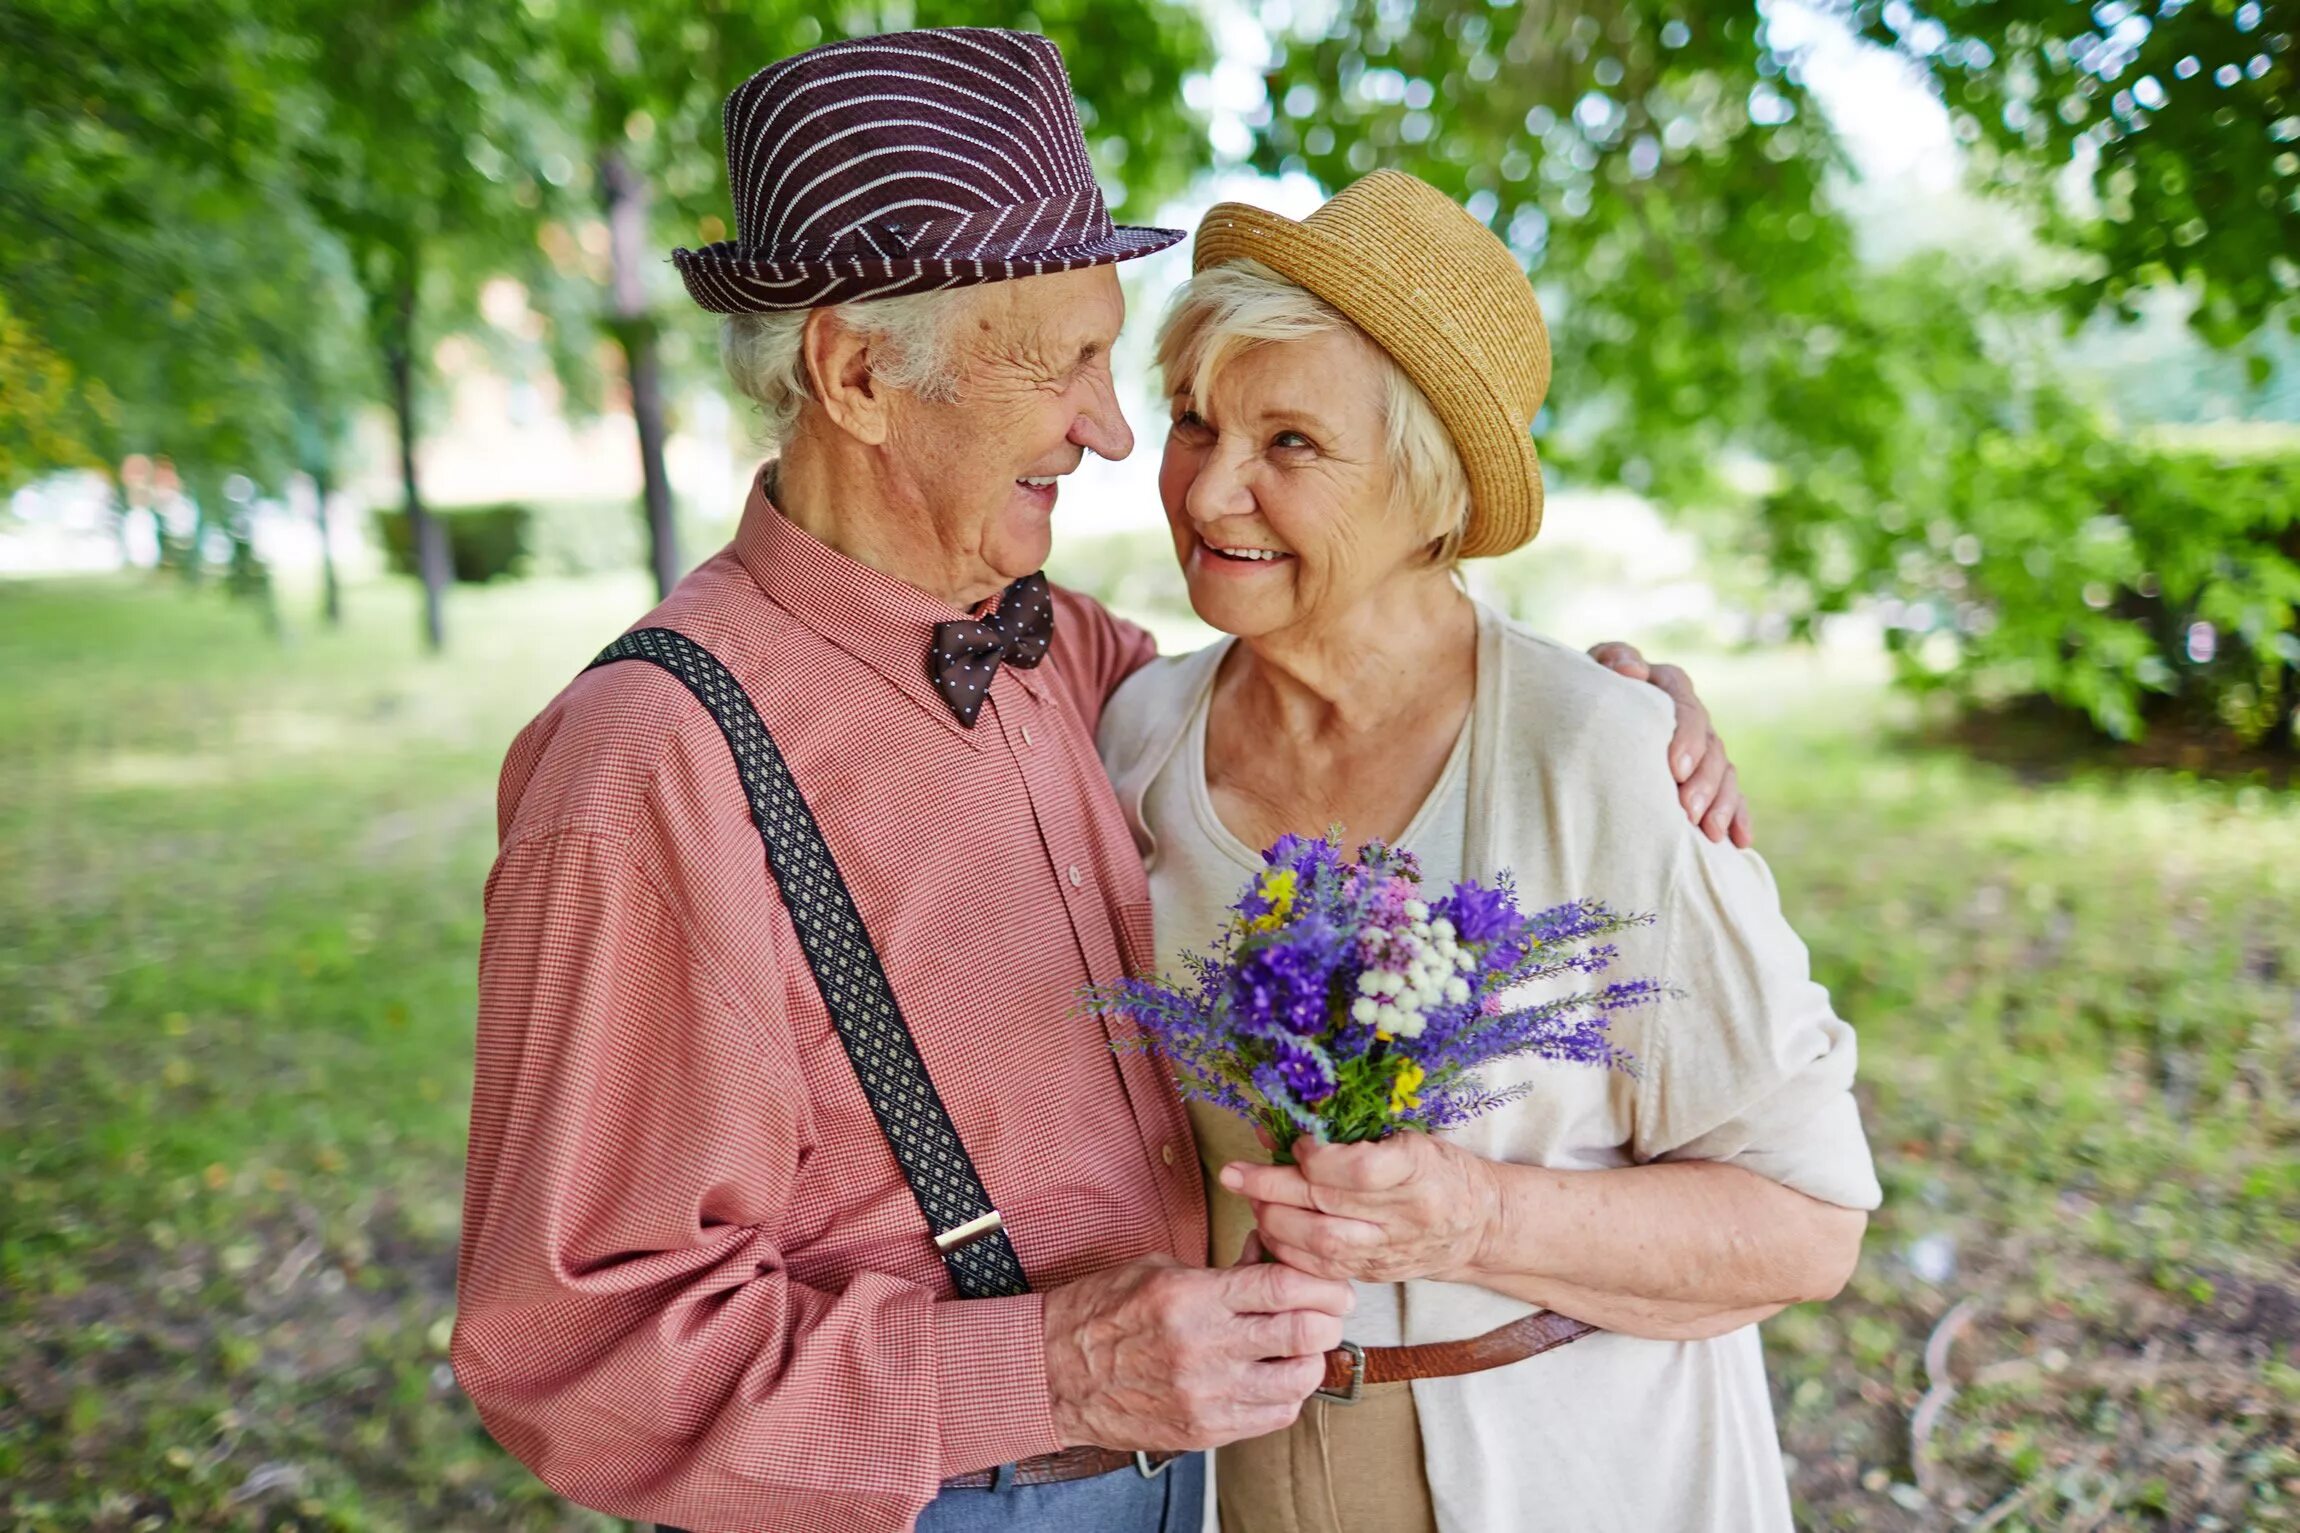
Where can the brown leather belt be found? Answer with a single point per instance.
(1350, 1367)
(1069, 1464)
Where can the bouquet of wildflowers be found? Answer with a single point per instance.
(1342, 1003)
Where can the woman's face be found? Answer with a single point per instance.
(1277, 487)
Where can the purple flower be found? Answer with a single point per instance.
(1306, 857)
(1302, 1067)
(1282, 985)
(1479, 914)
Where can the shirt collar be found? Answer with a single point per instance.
(885, 623)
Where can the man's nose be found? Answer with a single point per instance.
(1101, 426)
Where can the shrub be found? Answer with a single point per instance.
(2140, 582)
(483, 542)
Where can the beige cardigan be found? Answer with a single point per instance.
(1569, 789)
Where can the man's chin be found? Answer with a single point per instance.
(1023, 538)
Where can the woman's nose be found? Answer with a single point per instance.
(1218, 489)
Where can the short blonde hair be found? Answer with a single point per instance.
(910, 336)
(1231, 308)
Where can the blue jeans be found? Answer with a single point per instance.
(1119, 1502)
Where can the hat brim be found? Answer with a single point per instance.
(726, 279)
(1502, 464)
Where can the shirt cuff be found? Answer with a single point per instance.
(990, 1366)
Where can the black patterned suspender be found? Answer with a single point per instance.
(966, 1227)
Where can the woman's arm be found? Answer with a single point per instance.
(1693, 1247)
(1675, 1251)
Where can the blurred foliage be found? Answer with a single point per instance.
(2183, 119)
(38, 433)
(2015, 545)
(151, 249)
(237, 938)
(2135, 583)
(483, 542)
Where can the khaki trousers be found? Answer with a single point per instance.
(1337, 1469)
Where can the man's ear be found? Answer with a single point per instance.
(836, 360)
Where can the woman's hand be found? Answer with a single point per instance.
(1707, 785)
(1409, 1206)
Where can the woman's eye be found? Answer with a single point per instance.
(1189, 420)
(1290, 439)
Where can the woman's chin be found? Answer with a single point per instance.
(1221, 603)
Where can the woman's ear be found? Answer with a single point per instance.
(837, 363)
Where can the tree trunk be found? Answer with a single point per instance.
(428, 537)
(331, 593)
(625, 190)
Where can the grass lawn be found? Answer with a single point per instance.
(238, 910)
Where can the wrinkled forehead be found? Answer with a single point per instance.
(1336, 375)
(1059, 314)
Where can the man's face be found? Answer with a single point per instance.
(1034, 394)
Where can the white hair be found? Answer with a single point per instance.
(909, 337)
(1238, 305)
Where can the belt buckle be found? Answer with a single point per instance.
(1357, 1389)
(1148, 1470)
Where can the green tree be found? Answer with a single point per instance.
(2183, 118)
(428, 160)
(179, 292)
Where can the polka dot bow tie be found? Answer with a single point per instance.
(967, 654)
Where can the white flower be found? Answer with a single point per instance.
(1442, 929)
(1370, 982)
(1363, 1008)
(1457, 990)
(1411, 1026)
(1417, 911)
(1465, 962)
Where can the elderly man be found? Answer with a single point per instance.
(801, 1193)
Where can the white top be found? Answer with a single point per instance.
(1561, 778)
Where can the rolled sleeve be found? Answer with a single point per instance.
(1750, 1065)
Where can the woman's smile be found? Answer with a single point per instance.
(1241, 560)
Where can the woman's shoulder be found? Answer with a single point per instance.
(1565, 708)
(1151, 708)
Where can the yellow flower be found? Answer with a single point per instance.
(1405, 1088)
(1278, 889)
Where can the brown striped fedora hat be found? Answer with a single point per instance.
(903, 163)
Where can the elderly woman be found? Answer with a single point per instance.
(1352, 399)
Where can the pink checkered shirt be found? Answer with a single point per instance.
(694, 1288)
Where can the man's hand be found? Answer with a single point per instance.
(1707, 785)
(1408, 1206)
(1160, 1356)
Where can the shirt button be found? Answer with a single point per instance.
(1026, 734)
(1166, 1154)
(1077, 879)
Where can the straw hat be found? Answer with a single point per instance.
(1437, 291)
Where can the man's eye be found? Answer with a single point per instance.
(1189, 420)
